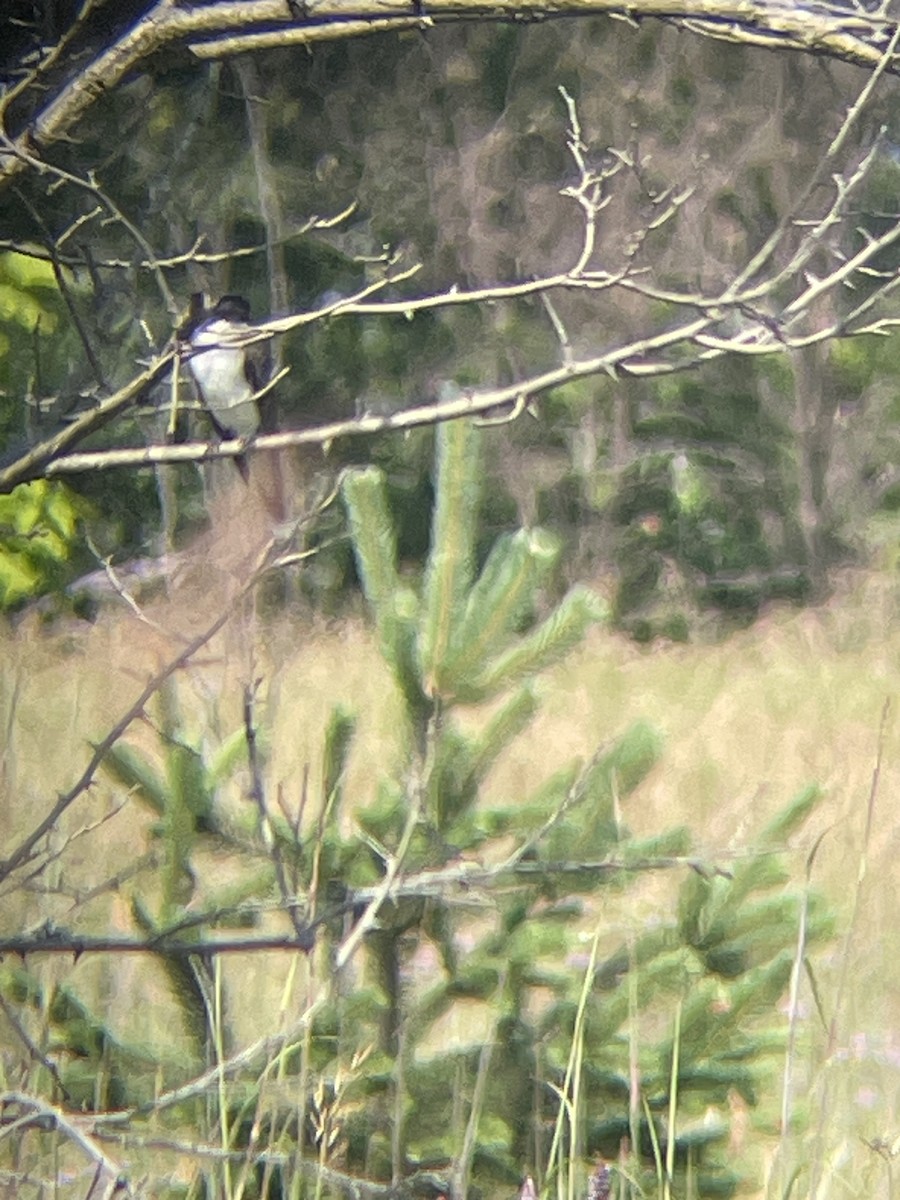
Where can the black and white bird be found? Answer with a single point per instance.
(228, 371)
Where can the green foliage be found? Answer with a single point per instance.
(457, 643)
(41, 387)
(507, 950)
(395, 606)
(450, 566)
(30, 314)
(130, 768)
(38, 529)
(726, 957)
(704, 513)
(722, 964)
(94, 1071)
(182, 793)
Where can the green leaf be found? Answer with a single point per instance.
(23, 309)
(537, 937)
(338, 740)
(635, 754)
(672, 843)
(652, 943)
(757, 874)
(763, 986)
(19, 577)
(689, 487)
(188, 782)
(38, 523)
(475, 981)
(27, 271)
(502, 728)
(229, 755)
(372, 530)
(454, 787)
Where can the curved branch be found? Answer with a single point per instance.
(238, 26)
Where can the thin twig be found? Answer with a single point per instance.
(33, 1049)
(23, 851)
(39, 1112)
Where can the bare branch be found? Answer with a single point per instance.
(352, 1187)
(31, 465)
(39, 1113)
(460, 884)
(237, 26)
(195, 255)
(856, 37)
(23, 851)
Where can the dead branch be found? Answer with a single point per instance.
(352, 1187)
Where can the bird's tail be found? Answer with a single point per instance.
(240, 461)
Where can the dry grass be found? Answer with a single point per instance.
(748, 723)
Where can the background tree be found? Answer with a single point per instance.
(679, 215)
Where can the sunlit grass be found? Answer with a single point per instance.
(748, 723)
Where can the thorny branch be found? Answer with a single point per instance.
(463, 884)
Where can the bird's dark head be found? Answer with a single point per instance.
(232, 308)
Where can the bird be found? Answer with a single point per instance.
(228, 372)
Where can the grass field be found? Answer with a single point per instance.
(748, 722)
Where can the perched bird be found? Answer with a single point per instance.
(227, 372)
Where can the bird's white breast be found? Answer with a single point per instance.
(219, 371)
